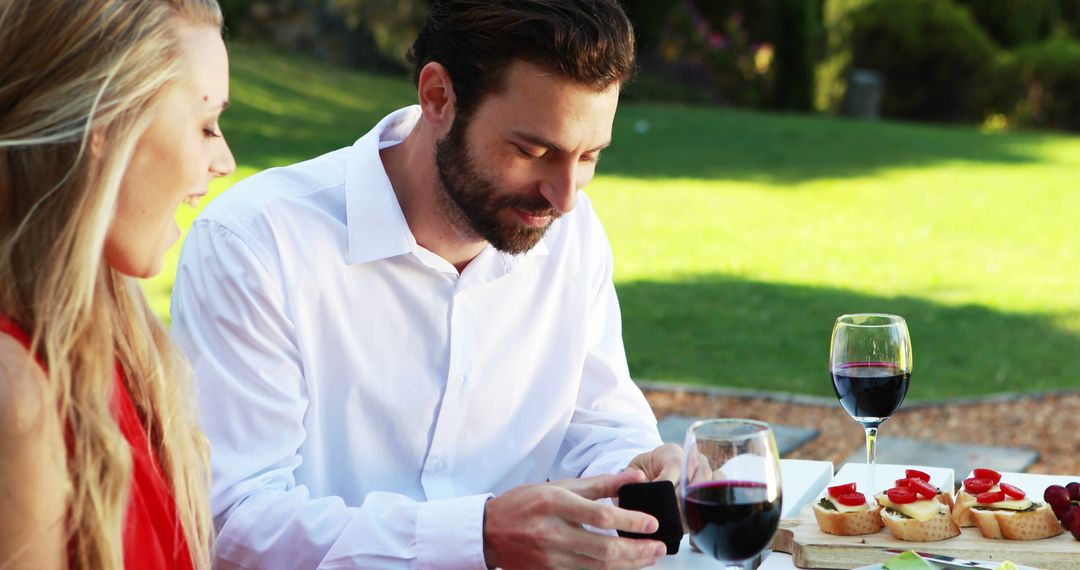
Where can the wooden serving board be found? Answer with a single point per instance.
(810, 548)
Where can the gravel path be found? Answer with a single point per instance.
(1049, 424)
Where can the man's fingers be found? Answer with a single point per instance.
(669, 459)
(670, 473)
(600, 515)
(615, 549)
(700, 470)
(601, 486)
(582, 562)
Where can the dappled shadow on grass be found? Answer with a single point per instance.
(655, 141)
(723, 331)
(288, 108)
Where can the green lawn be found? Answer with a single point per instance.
(739, 237)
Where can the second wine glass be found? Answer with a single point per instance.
(731, 489)
(870, 364)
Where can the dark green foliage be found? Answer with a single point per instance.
(1048, 75)
(797, 38)
(836, 54)
(933, 56)
(650, 18)
(1069, 14)
(1013, 23)
(757, 53)
(234, 11)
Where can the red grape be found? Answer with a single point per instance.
(1068, 517)
(1074, 490)
(1056, 495)
(1060, 509)
(1074, 528)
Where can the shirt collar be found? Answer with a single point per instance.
(376, 225)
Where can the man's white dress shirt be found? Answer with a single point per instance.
(364, 399)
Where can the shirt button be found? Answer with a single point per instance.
(459, 380)
(438, 466)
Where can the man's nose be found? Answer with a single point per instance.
(560, 188)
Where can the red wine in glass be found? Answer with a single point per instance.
(870, 365)
(731, 520)
(731, 490)
(870, 391)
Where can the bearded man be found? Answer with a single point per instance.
(409, 351)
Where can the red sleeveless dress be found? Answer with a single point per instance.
(153, 536)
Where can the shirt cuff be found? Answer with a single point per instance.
(450, 533)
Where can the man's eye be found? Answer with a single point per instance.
(526, 154)
(592, 158)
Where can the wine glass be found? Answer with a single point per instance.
(870, 364)
(731, 488)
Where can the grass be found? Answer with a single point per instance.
(739, 236)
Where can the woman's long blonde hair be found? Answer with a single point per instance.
(77, 74)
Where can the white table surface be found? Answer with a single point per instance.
(801, 480)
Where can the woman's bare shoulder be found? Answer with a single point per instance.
(33, 474)
(23, 389)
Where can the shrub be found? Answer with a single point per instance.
(1012, 23)
(234, 11)
(932, 55)
(830, 81)
(649, 18)
(1048, 76)
(797, 30)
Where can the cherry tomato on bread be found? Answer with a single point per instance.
(901, 495)
(1013, 491)
(990, 474)
(976, 485)
(851, 499)
(837, 490)
(916, 474)
(923, 489)
(990, 497)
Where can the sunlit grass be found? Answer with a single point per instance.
(740, 236)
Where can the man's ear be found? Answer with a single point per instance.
(437, 98)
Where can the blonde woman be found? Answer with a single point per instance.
(108, 121)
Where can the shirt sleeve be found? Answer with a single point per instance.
(229, 315)
(612, 421)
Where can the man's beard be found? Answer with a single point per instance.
(472, 202)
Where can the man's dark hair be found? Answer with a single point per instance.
(589, 42)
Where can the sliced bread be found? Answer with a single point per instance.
(848, 524)
(939, 527)
(1032, 524)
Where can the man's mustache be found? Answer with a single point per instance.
(538, 206)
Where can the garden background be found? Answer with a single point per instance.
(746, 208)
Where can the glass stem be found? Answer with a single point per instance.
(871, 456)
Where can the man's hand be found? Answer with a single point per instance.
(539, 526)
(661, 464)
